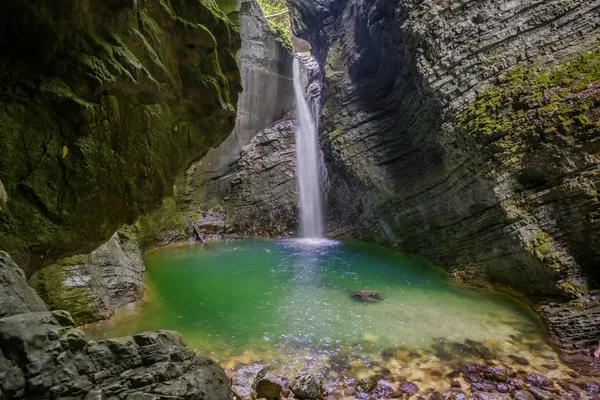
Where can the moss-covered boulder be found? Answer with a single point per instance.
(93, 286)
(101, 105)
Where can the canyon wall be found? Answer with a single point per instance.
(250, 176)
(467, 132)
(103, 104)
(257, 188)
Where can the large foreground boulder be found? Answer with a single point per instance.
(93, 286)
(43, 355)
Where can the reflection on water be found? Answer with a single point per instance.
(287, 303)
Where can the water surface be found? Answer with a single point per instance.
(288, 303)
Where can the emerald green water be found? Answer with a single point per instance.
(243, 300)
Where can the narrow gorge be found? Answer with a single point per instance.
(301, 199)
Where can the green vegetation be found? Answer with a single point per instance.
(49, 283)
(539, 101)
(276, 12)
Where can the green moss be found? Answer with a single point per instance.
(50, 285)
(88, 142)
(532, 100)
(150, 229)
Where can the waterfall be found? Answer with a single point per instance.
(307, 163)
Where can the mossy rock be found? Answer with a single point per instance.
(102, 105)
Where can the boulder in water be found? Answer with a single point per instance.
(368, 296)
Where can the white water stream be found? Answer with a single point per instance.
(307, 159)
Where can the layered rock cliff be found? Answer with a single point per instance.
(466, 132)
(103, 103)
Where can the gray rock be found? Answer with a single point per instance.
(541, 394)
(269, 387)
(93, 286)
(455, 396)
(523, 395)
(490, 396)
(44, 356)
(408, 388)
(252, 176)
(308, 386)
(244, 381)
(538, 380)
(16, 296)
(496, 374)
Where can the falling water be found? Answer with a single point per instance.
(307, 157)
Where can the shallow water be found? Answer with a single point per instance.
(288, 303)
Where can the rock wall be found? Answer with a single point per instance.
(466, 132)
(43, 356)
(16, 296)
(102, 104)
(266, 71)
(249, 180)
(259, 191)
(93, 286)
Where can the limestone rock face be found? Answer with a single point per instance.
(92, 286)
(252, 173)
(103, 104)
(266, 71)
(506, 199)
(42, 355)
(465, 132)
(16, 296)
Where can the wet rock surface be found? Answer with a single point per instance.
(269, 387)
(307, 386)
(93, 286)
(43, 355)
(244, 382)
(251, 174)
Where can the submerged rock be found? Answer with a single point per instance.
(523, 395)
(541, 394)
(308, 386)
(538, 380)
(497, 374)
(42, 355)
(368, 296)
(374, 387)
(490, 396)
(244, 382)
(408, 388)
(454, 395)
(591, 387)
